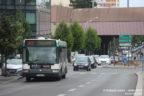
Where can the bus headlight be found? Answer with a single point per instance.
(26, 66)
(86, 64)
(55, 70)
(75, 64)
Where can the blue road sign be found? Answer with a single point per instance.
(124, 60)
(141, 57)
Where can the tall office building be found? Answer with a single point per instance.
(108, 3)
(36, 12)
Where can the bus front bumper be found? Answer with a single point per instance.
(40, 73)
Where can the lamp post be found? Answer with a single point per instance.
(127, 3)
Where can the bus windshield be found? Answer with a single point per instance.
(42, 55)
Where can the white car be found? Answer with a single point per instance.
(96, 57)
(104, 59)
(129, 55)
(14, 65)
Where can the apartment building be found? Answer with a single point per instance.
(108, 3)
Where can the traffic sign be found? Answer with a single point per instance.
(125, 44)
(125, 36)
(124, 60)
(124, 40)
(124, 48)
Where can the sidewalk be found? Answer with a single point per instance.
(140, 81)
(5, 80)
(9, 79)
(139, 87)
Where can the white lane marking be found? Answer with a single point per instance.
(81, 85)
(82, 73)
(88, 82)
(61, 95)
(72, 89)
(102, 73)
(93, 80)
(94, 73)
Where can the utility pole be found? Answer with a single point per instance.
(114, 48)
(92, 3)
(127, 3)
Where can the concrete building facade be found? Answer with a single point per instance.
(36, 12)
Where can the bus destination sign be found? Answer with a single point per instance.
(40, 43)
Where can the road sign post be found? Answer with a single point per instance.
(125, 44)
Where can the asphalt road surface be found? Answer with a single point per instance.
(98, 82)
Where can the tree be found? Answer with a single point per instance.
(91, 42)
(98, 43)
(137, 39)
(63, 33)
(11, 36)
(82, 3)
(27, 28)
(78, 35)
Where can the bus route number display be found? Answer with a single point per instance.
(40, 43)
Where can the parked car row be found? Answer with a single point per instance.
(104, 59)
(114, 59)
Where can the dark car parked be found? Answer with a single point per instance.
(82, 62)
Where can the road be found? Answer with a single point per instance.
(98, 82)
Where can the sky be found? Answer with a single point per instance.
(132, 3)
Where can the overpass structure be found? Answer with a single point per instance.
(107, 21)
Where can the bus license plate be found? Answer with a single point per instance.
(40, 75)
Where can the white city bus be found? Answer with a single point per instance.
(44, 58)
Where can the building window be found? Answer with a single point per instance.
(20, 2)
(2, 1)
(33, 27)
(10, 2)
(31, 2)
(31, 18)
(2, 4)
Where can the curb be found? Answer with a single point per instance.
(138, 91)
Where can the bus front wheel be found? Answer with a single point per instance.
(28, 79)
(60, 76)
(64, 76)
